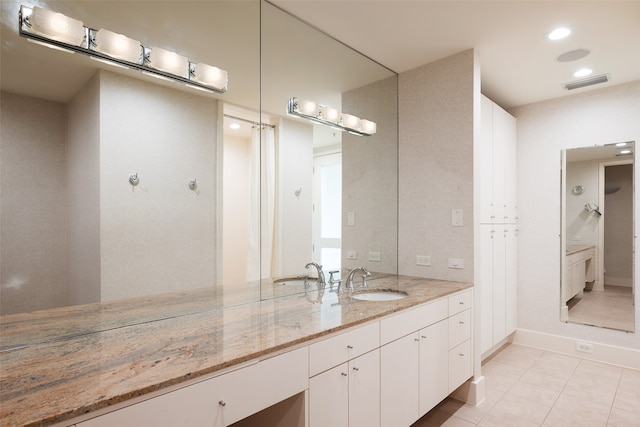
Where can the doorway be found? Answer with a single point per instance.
(327, 211)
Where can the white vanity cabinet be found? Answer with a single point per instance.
(416, 368)
(344, 388)
(347, 395)
(218, 401)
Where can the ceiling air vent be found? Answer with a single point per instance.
(589, 81)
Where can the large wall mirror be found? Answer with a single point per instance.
(597, 236)
(117, 186)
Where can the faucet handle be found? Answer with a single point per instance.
(332, 281)
(366, 273)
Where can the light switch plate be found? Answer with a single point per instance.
(455, 263)
(374, 256)
(423, 260)
(351, 218)
(352, 255)
(456, 217)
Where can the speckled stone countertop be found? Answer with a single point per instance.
(62, 363)
(572, 249)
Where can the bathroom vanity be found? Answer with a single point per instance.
(581, 261)
(302, 359)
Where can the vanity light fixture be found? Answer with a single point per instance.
(58, 31)
(329, 116)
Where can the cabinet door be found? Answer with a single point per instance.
(511, 279)
(485, 151)
(499, 285)
(329, 398)
(459, 365)
(364, 390)
(487, 236)
(434, 362)
(399, 381)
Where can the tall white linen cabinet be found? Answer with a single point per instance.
(498, 225)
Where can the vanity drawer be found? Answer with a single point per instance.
(340, 348)
(402, 324)
(459, 302)
(459, 328)
(221, 400)
(459, 365)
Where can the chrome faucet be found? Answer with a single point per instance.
(349, 282)
(321, 281)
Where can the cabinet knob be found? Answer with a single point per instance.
(461, 322)
(222, 403)
(344, 374)
(355, 368)
(460, 354)
(350, 347)
(461, 303)
(424, 336)
(416, 339)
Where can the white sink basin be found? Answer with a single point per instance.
(379, 295)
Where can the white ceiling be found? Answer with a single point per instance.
(518, 63)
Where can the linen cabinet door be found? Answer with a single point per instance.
(364, 390)
(399, 381)
(329, 398)
(434, 362)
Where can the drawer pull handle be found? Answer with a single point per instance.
(416, 339)
(350, 347)
(424, 336)
(356, 368)
(461, 303)
(222, 403)
(461, 354)
(461, 322)
(344, 374)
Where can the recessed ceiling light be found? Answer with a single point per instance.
(234, 126)
(583, 72)
(559, 33)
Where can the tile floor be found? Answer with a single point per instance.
(531, 387)
(612, 308)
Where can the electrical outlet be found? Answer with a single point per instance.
(351, 218)
(584, 347)
(352, 255)
(423, 260)
(456, 217)
(455, 263)
(374, 256)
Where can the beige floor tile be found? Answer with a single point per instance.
(470, 413)
(598, 369)
(508, 420)
(542, 395)
(577, 406)
(518, 356)
(627, 398)
(501, 376)
(436, 418)
(555, 364)
(550, 382)
(621, 418)
(591, 390)
(511, 406)
(560, 418)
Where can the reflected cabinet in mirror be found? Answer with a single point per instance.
(597, 236)
(123, 185)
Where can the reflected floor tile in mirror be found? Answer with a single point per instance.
(612, 308)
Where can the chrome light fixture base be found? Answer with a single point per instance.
(89, 47)
(330, 117)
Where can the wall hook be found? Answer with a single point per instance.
(133, 179)
(298, 191)
(193, 185)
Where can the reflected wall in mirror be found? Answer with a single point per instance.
(597, 236)
(336, 192)
(74, 229)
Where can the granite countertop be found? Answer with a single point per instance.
(572, 249)
(62, 363)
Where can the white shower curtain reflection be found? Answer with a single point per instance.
(262, 203)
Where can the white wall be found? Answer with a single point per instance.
(83, 187)
(370, 178)
(436, 173)
(236, 166)
(582, 226)
(159, 236)
(32, 188)
(594, 117)
(293, 227)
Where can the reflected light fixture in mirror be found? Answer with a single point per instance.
(329, 116)
(58, 31)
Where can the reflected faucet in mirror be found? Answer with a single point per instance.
(321, 280)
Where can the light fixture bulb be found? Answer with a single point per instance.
(330, 114)
(368, 126)
(583, 72)
(234, 126)
(308, 108)
(559, 33)
(118, 46)
(621, 144)
(210, 76)
(170, 62)
(56, 26)
(351, 122)
(626, 151)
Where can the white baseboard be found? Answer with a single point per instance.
(618, 281)
(471, 392)
(620, 356)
